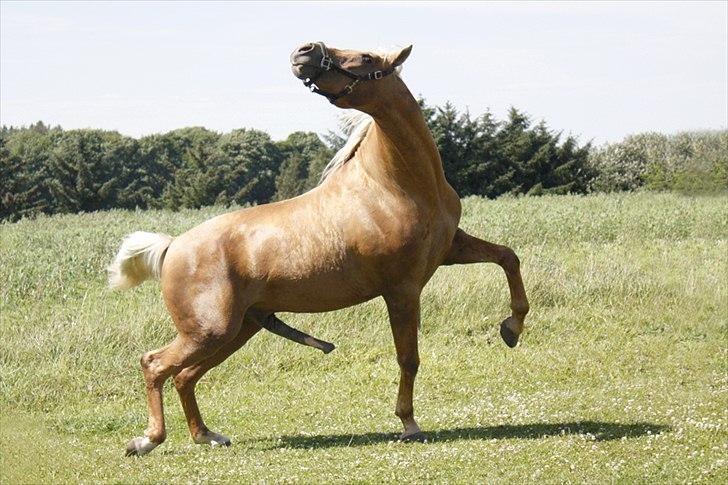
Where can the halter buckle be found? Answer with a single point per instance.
(326, 62)
(377, 75)
(350, 88)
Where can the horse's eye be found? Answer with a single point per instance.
(367, 59)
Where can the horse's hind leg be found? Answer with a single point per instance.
(468, 249)
(205, 323)
(157, 366)
(187, 378)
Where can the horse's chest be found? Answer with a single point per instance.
(403, 234)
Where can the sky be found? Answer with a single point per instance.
(596, 70)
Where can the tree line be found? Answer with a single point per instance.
(48, 170)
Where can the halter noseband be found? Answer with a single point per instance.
(327, 64)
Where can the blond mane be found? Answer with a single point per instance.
(355, 125)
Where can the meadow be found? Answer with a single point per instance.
(620, 377)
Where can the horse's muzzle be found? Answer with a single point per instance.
(305, 61)
(302, 72)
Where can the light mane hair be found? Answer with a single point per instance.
(355, 126)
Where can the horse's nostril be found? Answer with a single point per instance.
(306, 48)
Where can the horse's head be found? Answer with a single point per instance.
(347, 78)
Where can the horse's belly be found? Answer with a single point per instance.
(344, 282)
(317, 293)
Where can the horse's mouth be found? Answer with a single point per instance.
(297, 70)
(303, 71)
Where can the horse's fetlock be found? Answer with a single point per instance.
(156, 436)
(404, 412)
(520, 309)
(199, 434)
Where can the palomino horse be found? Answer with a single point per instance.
(380, 223)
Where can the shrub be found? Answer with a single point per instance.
(690, 162)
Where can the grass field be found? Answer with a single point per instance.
(621, 376)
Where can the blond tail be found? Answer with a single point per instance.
(140, 258)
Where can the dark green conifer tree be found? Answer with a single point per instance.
(23, 173)
(302, 164)
(172, 163)
(94, 170)
(249, 162)
(291, 180)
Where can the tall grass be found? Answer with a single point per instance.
(621, 375)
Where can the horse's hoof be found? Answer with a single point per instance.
(225, 442)
(418, 437)
(509, 337)
(139, 446)
(213, 439)
(131, 448)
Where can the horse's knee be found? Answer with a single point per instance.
(147, 359)
(508, 259)
(409, 364)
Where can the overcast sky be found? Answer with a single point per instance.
(599, 71)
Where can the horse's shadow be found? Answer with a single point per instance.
(593, 430)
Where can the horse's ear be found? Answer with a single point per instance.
(401, 56)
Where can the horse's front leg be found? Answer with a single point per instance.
(468, 249)
(404, 317)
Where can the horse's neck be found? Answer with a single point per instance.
(399, 148)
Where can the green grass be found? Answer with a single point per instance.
(621, 376)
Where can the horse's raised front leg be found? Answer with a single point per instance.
(404, 317)
(186, 380)
(467, 249)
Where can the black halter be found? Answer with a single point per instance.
(327, 64)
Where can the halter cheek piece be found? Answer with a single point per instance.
(328, 64)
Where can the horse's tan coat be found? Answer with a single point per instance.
(379, 225)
